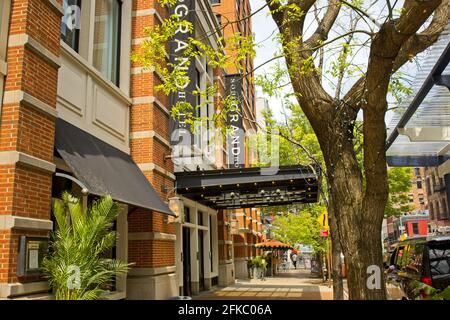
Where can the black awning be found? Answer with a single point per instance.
(105, 170)
(250, 187)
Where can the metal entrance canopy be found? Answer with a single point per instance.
(420, 131)
(250, 187)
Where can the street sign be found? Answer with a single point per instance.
(323, 220)
(324, 233)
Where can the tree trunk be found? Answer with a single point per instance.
(338, 285)
(358, 212)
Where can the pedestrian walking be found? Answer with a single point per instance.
(294, 260)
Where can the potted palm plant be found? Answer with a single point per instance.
(75, 267)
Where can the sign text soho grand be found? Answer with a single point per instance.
(181, 133)
(235, 142)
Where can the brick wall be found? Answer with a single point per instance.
(25, 190)
(146, 120)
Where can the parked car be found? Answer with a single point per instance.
(425, 260)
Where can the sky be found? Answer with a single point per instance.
(265, 29)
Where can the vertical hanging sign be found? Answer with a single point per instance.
(181, 135)
(236, 136)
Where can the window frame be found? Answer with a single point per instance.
(118, 50)
(85, 54)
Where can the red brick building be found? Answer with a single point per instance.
(78, 115)
(67, 61)
(65, 64)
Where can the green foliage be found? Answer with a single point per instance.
(257, 262)
(430, 292)
(80, 240)
(399, 87)
(399, 180)
(301, 228)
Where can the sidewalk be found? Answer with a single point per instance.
(290, 285)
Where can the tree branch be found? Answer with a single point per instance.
(413, 46)
(362, 12)
(324, 27)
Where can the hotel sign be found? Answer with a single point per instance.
(236, 137)
(181, 134)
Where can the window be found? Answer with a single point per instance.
(187, 214)
(199, 218)
(215, 1)
(431, 211)
(415, 227)
(439, 257)
(71, 23)
(219, 19)
(107, 38)
(421, 199)
(419, 184)
(417, 172)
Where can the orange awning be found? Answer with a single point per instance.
(273, 244)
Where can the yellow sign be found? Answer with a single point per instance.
(323, 220)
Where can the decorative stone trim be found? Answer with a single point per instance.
(142, 134)
(225, 242)
(17, 222)
(18, 289)
(241, 259)
(14, 157)
(138, 41)
(141, 272)
(141, 70)
(143, 12)
(147, 12)
(55, 6)
(33, 45)
(149, 134)
(155, 167)
(222, 262)
(151, 236)
(19, 96)
(143, 100)
(241, 244)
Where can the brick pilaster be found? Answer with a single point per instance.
(152, 243)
